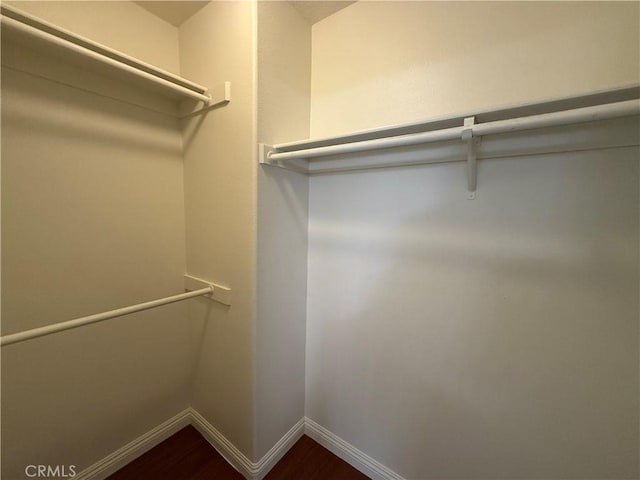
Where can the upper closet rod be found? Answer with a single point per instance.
(578, 115)
(98, 317)
(36, 28)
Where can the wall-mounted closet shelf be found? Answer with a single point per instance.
(456, 138)
(55, 42)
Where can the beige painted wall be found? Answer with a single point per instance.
(92, 219)
(284, 71)
(378, 63)
(217, 45)
(494, 338)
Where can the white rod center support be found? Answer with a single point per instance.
(472, 161)
(99, 317)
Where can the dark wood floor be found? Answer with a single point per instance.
(308, 460)
(188, 456)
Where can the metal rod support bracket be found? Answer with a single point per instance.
(472, 161)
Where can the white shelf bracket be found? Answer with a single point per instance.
(220, 294)
(472, 163)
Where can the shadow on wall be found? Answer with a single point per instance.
(67, 398)
(205, 331)
(191, 125)
(488, 339)
(92, 219)
(82, 117)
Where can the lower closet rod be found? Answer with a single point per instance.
(98, 317)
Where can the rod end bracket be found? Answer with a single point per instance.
(264, 151)
(218, 292)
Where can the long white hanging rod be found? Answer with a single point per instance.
(54, 35)
(567, 117)
(99, 317)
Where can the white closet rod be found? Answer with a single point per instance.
(567, 117)
(99, 317)
(65, 40)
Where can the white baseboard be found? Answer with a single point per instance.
(347, 452)
(224, 447)
(132, 450)
(250, 470)
(283, 445)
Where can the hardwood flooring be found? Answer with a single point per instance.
(308, 460)
(186, 455)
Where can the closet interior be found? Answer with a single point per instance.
(409, 230)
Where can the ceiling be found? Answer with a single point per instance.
(176, 12)
(316, 11)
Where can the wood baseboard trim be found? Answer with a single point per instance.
(347, 452)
